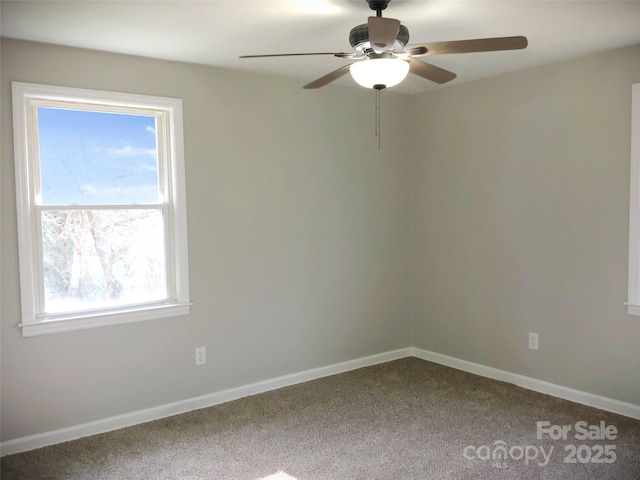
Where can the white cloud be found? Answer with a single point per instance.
(150, 129)
(130, 151)
(143, 167)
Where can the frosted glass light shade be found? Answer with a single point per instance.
(379, 71)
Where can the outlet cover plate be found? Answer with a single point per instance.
(201, 355)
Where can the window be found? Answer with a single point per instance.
(101, 208)
(633, 305)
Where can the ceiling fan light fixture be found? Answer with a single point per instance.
(376, 72)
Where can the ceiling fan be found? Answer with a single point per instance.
(384, 59)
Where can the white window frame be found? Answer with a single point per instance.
(26, 98)
(633, 303)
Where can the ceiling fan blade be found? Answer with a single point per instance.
(468, 46)
(338, 54)
(430, 72)
(382, 33)
(328, 78)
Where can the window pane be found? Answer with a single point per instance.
(102, 258)
(97, 158)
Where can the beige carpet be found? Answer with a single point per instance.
(402, 420)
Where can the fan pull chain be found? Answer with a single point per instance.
(377, 114)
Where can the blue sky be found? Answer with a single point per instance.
(97, 158)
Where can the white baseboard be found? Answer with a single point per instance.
(39, 440)
(577, 396)
(32, 442)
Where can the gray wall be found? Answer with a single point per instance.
(298, 231)
(494, 208)
(519, 223)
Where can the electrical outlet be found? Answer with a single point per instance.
(533, 341)
(201, 355)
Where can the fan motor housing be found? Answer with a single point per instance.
(378, 5)
(359, 37)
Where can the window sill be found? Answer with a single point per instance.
(103, 319)
(633, 309)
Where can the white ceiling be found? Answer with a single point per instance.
(216, 32)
